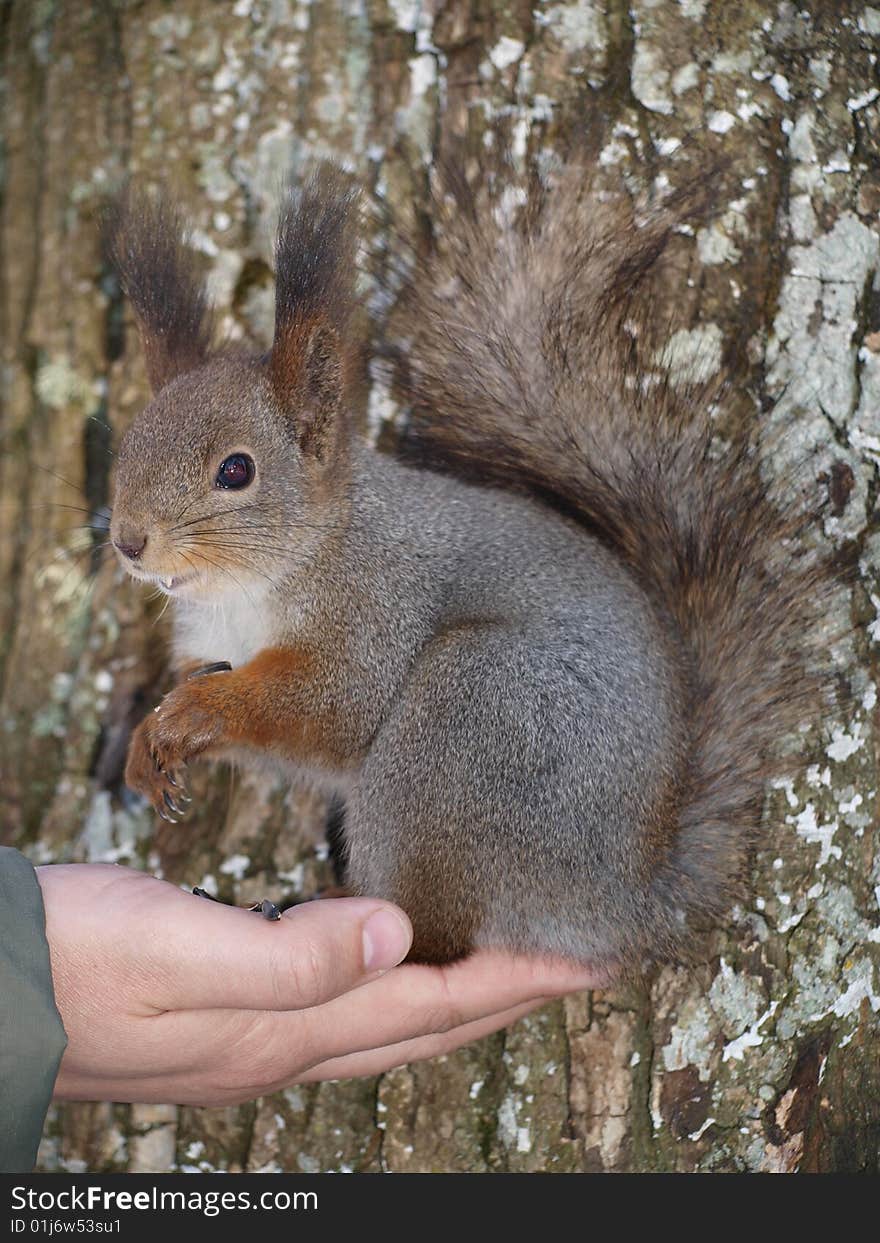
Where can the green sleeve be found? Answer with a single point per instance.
(32, 1037)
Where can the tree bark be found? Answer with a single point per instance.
(766, 1057)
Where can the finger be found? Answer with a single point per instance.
(376, 1061)
(208, 1076)
(205, 1075)
(225, 1060)
(407, 1004)
(209, 955)
(415, 1001)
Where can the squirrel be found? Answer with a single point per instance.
(549, 667)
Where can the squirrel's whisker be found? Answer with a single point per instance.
(233, 509)
(224, 569)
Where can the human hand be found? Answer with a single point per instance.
(168, 998)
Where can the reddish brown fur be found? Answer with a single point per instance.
(269, 704)
(522, 374)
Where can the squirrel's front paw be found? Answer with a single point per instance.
(177, 731)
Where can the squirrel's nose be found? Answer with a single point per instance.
(131, 546)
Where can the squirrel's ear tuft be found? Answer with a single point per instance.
(144, 242)
(315, 258)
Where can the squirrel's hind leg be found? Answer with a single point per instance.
(428, 824)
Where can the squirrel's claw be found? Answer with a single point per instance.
(265, 908)
(180, 728)
(219, 666)
(147, 775)
(170, 803)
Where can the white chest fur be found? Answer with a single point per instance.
(233, 627)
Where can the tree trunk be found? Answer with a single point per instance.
(766, 1058)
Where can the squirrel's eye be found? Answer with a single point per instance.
(236, 472)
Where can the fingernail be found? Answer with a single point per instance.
(386, 940)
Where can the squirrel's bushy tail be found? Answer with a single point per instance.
(520, 371)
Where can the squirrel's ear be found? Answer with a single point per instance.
(144, 241)
(306, 368)
(314, 259)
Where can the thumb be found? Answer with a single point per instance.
(154, 947)
(220, 957)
